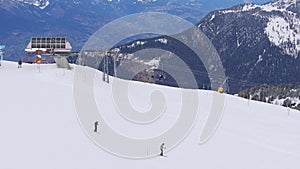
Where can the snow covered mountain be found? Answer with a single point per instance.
(260, 41)
(258, 44)
(283, 22)
(78, 19)
(42, 4)
(40, 128)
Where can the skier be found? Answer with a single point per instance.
(1, 57)
(20, 64)
(96, 126)
(1, 53)
(162, 149)
(38, 60)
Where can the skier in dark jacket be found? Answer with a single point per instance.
(20, 63)
(1, 57)
(162, 149)
(96, 126)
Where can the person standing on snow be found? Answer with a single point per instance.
(1, 53)
(1, 57)
(20, 64)
(162, 149)
(96, 126)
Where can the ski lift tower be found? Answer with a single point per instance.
(106, 55)
(57, 47)
(96, 58)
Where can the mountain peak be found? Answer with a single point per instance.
(42, 4)
(282, 18)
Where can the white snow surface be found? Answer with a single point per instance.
(249, 6)
(278, 5)
(39, 127)
(212, 17)
(154, 62)
(278, 101)
(42, 4)
(285, 34)
(146, 0)
(136, 1)
(162, 40)
(137, 43)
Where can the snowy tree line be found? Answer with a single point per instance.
(284, 95)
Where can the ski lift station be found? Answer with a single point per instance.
(57, 47)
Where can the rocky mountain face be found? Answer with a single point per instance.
(284, 95)
(258, 44)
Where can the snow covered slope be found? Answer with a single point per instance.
(39, 127)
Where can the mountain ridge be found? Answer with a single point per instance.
(249, 39)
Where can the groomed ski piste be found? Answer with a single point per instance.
(41, 128)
